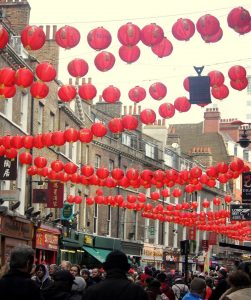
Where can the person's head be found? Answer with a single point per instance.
(154, 285)
(116, 260)
(22, 258)
(209, 282)
(40, 271)
(85, 273)
(65, 265)
(52, 269)
(64, 280)
(75, 270)
(178, 280)
(245, 267)
(161, 277)
(215, 281)
(198, 286)
(222, 274)
(95, 273)
(239, 279)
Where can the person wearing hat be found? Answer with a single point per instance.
(61, 287)
(116, 284)
(222, 285)
(179, 288)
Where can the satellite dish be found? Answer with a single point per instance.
(175, 145)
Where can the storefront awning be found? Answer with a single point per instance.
(99, 254)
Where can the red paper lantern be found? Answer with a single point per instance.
(186, 84)
(207, 25)
(132, 174)
(213, 38)
(16, 142)
(130, 122)
(85, 135)
(25, 158)
(222, 167)
(216, 201)
(57, 165)
(46, 72)
(32, 170)
(70, 168)
(67, 37)
(195, 172)
(147, 116)
(228, 199)
(7, 77)
(216, 78)
(47, 139)
(155, 196)
(116, 125)
(87, 91)
(146, 175)
(10, 153)
(205, 203)
(163, 49)
(166, 110)
(102, 173)
(183, 29)
(98, 129)
(70, 199)
(238, 17)
(39, 90)
(157, 90)
(220, 92)
(111, 94)
(182, 104)
(237, 72)
(117, 173)
(152, 34)
(71, 135)
(129, 34)
(177, 192)
(38, 142)
(129, 54)
(4, 37)
(239, 84)
(67, 93)
(7, 92)
(137, 94)
(243, 30)
(24, 78)
(78, 67)
(27, 141)
(33, 37)
(87, 170)
(6, 141)
(58, 138)
(99, 38)
(212, 172)
(104, 61)
(40, 162)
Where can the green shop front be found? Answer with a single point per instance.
(96, 249)
(133, 250)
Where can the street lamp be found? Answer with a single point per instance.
(244, 141)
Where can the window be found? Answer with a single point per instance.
(40, 117)
(125, 169)
(87, 150)
(95, 219)
(24, 111)
(51, 122)
(97, 161)
(246, 154)
(111, 165)
(126, 139)
(249, 85)
(109, 220)
(150, 149)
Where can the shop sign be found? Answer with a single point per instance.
(204, 244)
(152, 253)
(246, 187)
(14, 228)
(88, 240)
(212, 240)
(55, 194)
(67, 212)
(240, 212)
(192, 233)
(8, 168)
(46, 240)
(9, 195)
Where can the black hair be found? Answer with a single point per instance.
(21, 257)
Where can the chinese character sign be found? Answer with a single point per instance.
(55, 194)
(246, 187)
(8, 168)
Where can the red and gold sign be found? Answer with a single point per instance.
(46, 240)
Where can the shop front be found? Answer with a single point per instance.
(70, 247)
(133, 250)
(46, 244)
(14, 231)
(152, 256)
(96, 249)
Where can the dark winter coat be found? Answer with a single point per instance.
(116, 286)
(219, 290)
(18, 285)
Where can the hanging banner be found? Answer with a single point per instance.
(55, 194)
(240, 212)
(212, 239)
(207, 260)
(246, 187)
(192, 233)
(8, 168)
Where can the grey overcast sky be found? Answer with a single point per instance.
(232, 49)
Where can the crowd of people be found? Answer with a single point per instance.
(117, 280)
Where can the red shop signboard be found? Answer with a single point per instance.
(46, 240)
